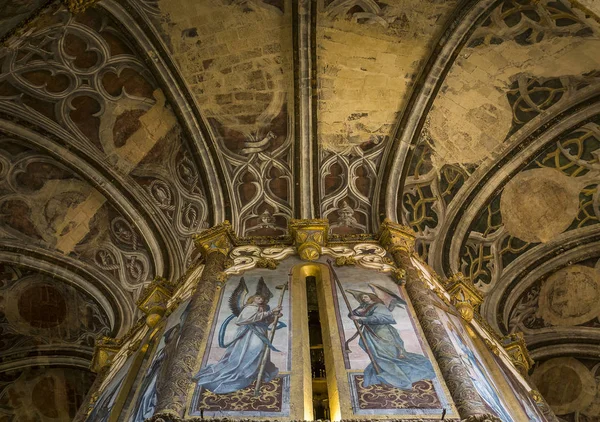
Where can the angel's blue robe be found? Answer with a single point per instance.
(238, 368)
(397, 367)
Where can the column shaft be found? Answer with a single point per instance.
(465, 396)
(173, 386)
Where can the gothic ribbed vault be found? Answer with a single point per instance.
(130, 126)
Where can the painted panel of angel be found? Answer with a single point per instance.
(390, 368)
(247, 357)
(390, 362)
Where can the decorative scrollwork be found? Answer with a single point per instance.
(427, 192)
(430, 187)
(249, 256)
(366, 255)
(41, 202)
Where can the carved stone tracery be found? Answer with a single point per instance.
(44, 79)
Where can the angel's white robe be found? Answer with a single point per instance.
(238, 368)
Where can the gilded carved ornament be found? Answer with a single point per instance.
(487, 328)
(492, 346)
(340, 261)
(269, 263)
(78, 6)
(515, 346)
(154, 300)
(396, 237)
(536, 396)
(399, 275)
(104, 352)
(219, 238)
(366, 255)
(465, 296)
(309, 236)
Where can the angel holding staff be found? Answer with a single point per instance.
(247, 358)
(390, 363)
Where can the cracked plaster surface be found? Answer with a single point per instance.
(366, 65)
(471, 117)
(237, 58)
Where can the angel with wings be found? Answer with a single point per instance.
(239, 366)
(391, 364)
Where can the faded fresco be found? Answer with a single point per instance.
(389, 368)
(475, 365)
(146, 401)
(246, 366)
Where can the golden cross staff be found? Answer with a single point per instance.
(263, 361)
(356, 324)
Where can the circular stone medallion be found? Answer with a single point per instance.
(539, 204)
(566, 384)
(570, 296)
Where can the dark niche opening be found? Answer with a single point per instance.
(317, 357)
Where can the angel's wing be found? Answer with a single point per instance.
(263, 290)
(388, 297)
(238, 297)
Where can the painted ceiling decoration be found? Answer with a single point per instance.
(132, 125)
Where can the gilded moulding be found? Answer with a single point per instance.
(535, 394)
(104, 353)
(465, 296)
(107, 349)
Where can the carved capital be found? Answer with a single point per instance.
(154, 300)
(309, 237)
(105, 350)
(219, 238)
(515, 346)
(396, 237)
(78, 6)
(465, 296)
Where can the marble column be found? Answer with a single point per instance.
(399, 242)
(176, 379)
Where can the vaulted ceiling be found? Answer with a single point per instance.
(128, 127)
